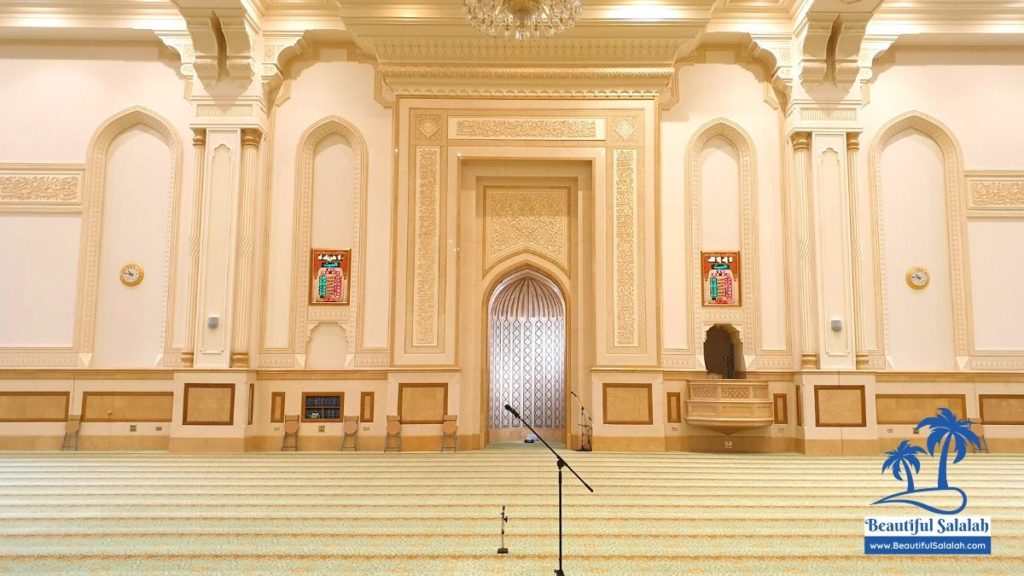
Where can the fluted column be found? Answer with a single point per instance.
(244, 270)
(852, 147)
(809, 355)
(188, 352)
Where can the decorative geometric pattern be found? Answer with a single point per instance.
(529, 128)
(527, 353)
(997, 192)
(625, 223)
(43, 185)
(535, 218)
(427, 244)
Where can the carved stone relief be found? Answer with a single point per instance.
(41, 187)
(527, 128)
(625, 248)
(990, 192)
(426, 250)
(531, 218)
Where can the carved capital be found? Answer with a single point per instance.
(801, 141)
(199, 137)
(251, 137)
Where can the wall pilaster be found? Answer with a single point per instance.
(241, 338)
(809, 357)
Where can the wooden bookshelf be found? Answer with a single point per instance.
(322, 406)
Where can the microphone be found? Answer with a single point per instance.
(513, 411)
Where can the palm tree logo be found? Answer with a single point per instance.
(904, 457)
(950, 432)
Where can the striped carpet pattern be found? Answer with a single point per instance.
(421, 514)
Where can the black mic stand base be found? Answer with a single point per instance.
(502, 550)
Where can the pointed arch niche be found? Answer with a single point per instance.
(123, 221)
(918, 219)
(330, 201)
(526, 350)
(721, 167)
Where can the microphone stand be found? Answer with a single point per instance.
(561, 464)
(504, 519)
(585, 427)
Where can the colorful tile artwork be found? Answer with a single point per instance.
(330, 276)
(721, 278)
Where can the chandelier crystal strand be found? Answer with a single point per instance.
(522, 19)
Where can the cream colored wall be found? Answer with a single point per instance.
(720, 197)
(996, 267)
(985, 122)
(330, 86)
(38, 303)
(718, 87)
(55, 97)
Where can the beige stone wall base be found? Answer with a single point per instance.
(752, 444)
(123, 442)
(263, 443)
(675, 444)
(30, 442)
(844, 447)
(626, 444)
(1005, 444)
(206, 445)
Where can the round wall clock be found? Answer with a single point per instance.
(917, 277)
(132, 274)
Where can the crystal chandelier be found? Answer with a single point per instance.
(522, 19)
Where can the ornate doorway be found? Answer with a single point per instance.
(526, 356)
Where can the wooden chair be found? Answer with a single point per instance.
(291, 434)
(393, 440)
(71, 430)
(979, 429)
(450, 433)
(350, 431)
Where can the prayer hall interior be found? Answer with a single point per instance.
(291, 259)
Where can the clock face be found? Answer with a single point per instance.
(917, 277)
(131, 274)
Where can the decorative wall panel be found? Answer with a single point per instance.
(626, 265)
(34, 406)
(209, 405)
(1001, 409)
(483, 128)
(526, 218)
(911, 408)
(127, 406)
(992, 194)
(628, 404)
(836, 406)
(422, 403)
(426, 234)
(41, 187)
